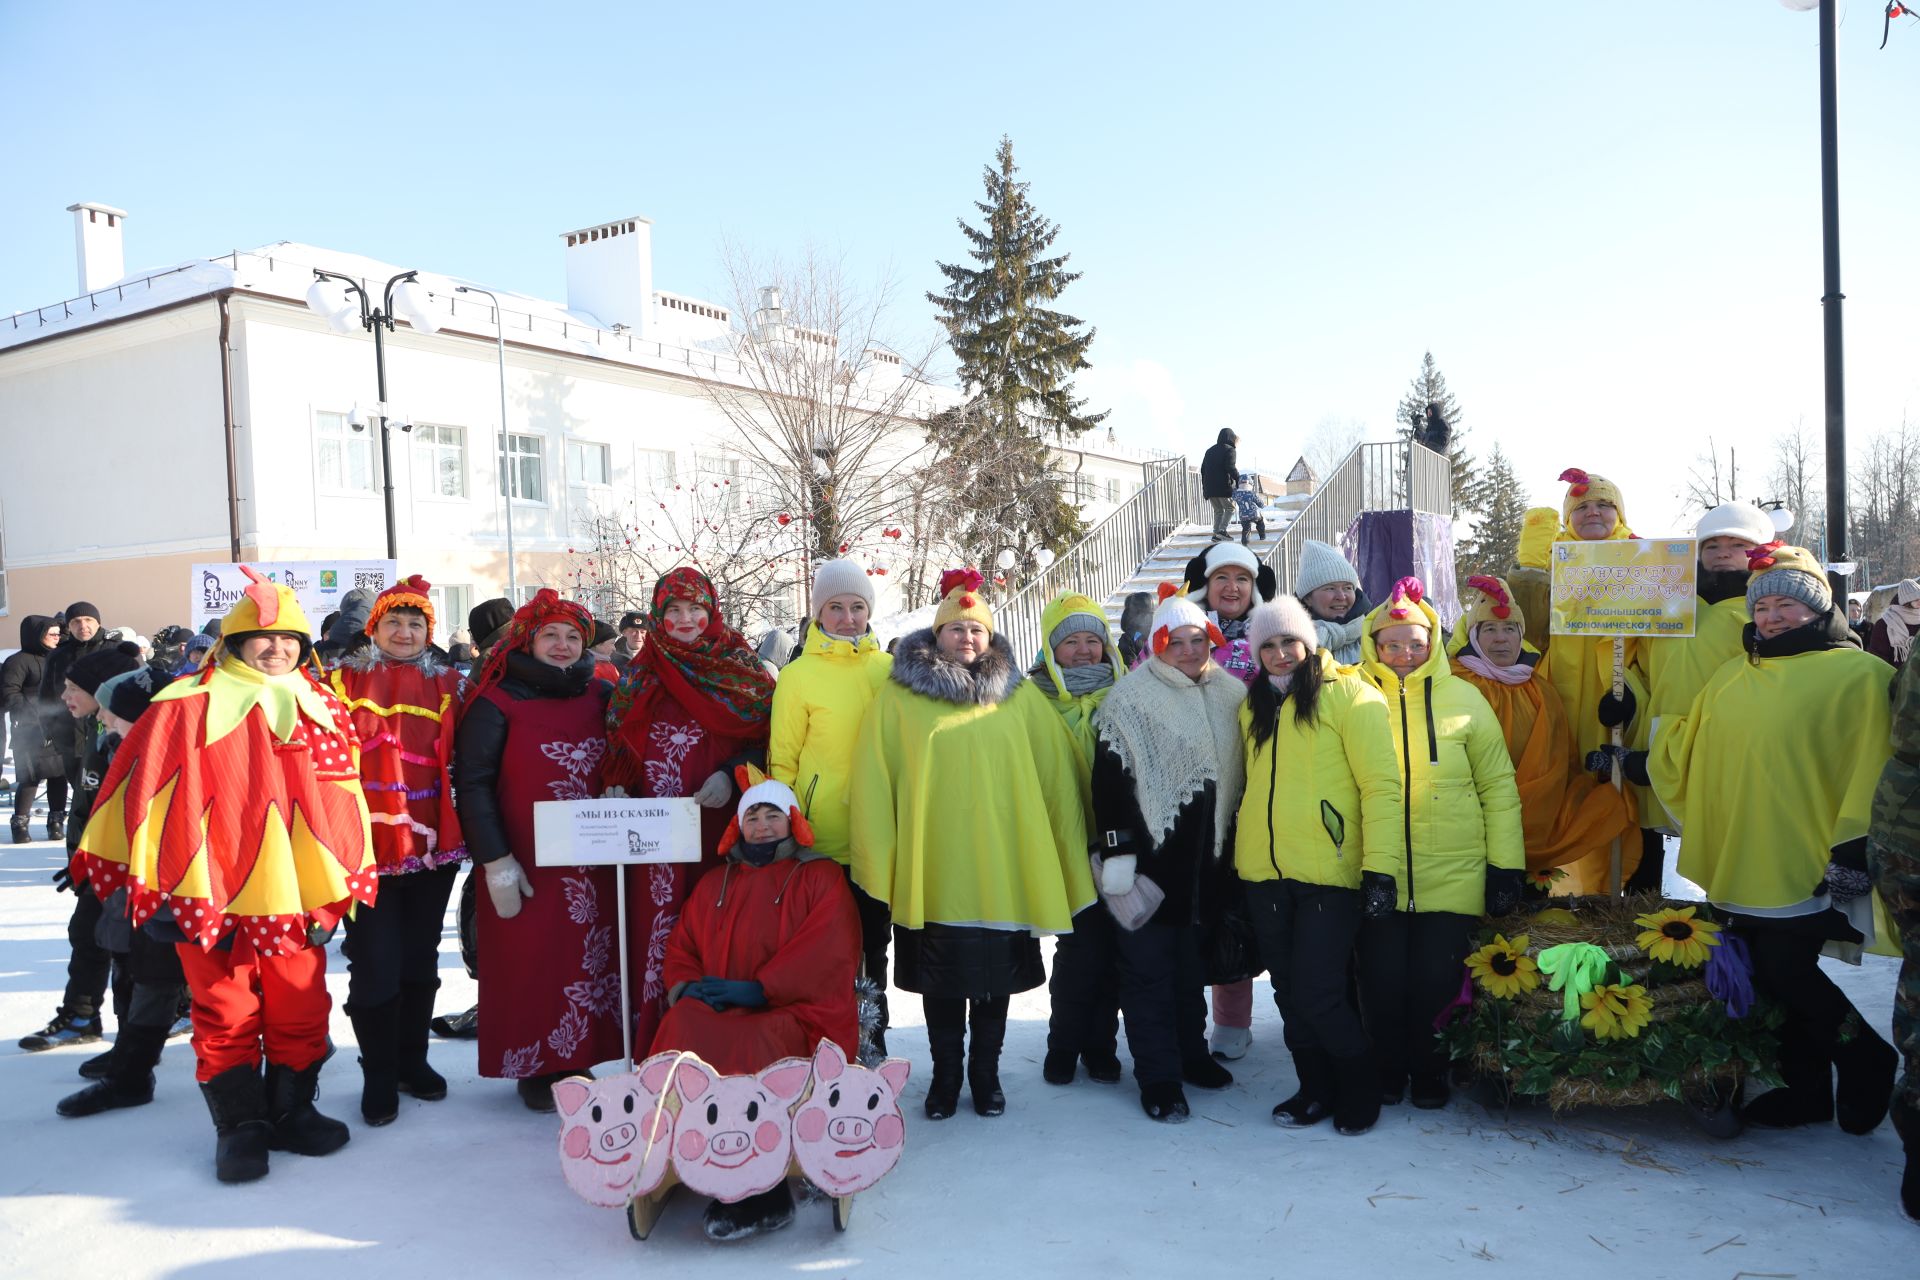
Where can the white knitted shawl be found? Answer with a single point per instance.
(1174, 735)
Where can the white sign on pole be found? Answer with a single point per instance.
(615, 832)
(317, 584)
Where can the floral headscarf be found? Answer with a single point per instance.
(546, 606)
(715, 677)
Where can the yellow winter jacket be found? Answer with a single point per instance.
(1462, 808)
(818, 706)
(1318, 796)
(1773, 765)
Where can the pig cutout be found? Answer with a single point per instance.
(849, 1133)
(616, 1134)
(734, 1135)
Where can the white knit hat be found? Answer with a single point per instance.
(1740, 520)
(1321, 564)
(1223, 554)
(1284, 617)
(1177, 611)
(841, 578)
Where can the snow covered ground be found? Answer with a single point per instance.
(1072, 1181)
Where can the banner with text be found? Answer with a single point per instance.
(317, 584)
(1626, 588)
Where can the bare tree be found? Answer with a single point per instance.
(1330, 441)
(1884, 523)
(828, 408)
(1796, 481)
(1711, 481)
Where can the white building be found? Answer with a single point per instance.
(205, 413)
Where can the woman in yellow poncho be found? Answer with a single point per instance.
(967, 822)
(1567, 816)
(1771, 773)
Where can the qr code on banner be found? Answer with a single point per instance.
(372, 579)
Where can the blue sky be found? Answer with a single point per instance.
(1602, 219)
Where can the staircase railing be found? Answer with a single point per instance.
(1108, 555)
(1391, 476)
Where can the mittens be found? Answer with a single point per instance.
(1378, 895)
(1116, 874)
(1616, 711)
(1504, 886)
(1633, 765)
(506, 885)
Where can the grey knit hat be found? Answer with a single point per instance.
(840, 578)
(1074, 624)
(1320, 564)
(1792, 572)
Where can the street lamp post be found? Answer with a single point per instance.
(1831, 296)
(340, 300)
(500, 451)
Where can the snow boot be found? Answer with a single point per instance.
(1866, 1066)
(1165, 1103)
(56, 826)
(129, 1078)
(1356, 1095)
(68, 1027)
(1806, 1092)
(1205, 1073)
(989, 1019)
(1231, 1043)
(416, 1074)
(458, 1026)
(756, 1215)
(1102, 1065)
(380, 1085)
(1428, 1089)
(21, 833)
(1906, 1123)
(237, 1100)
(297, 1127)
(1059, 1066)
(99, 1065)
(537, 1091)
(948, 1046)
(1313, 1101)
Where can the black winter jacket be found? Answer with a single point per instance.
(56, 721)
(1220, 467)
(480, 744)
(20, 678)
(1183, 866)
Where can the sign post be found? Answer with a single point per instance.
(616, 831)
(1632, 587)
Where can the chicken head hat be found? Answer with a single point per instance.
(757, 789)
(1403, 606)
(1177, 611)
(1585, 486)
(264, 608)
(1787, 571)
(960, 598)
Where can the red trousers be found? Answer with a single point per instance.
(245, 1003)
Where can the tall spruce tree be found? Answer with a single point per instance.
(1429, 407)
(1496, 534)
(1017, 359)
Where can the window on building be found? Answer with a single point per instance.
(522, 468)
(588, 463)
(729, 473)
(343, 458)
(440, 460)
(654, 468)
(450, 606)
(1083, 488)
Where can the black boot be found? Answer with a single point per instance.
(417, 1075)
(56, 826)
(1806, 1092)
(1866, 1066)
(1428, 1089)
(380, 1087)
(1906, 1123)
(947, 1042)
(756, 1215)
(21, 833)
(99, 1065)
(238, 1103)
(983, 1056)
(129, 1080)
(1313, 1102)
(1059, 1066)
(1165, 1103)
(1356, 1094)
(1205, 1073)
(297, 1127)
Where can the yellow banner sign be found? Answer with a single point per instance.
(1625, 588)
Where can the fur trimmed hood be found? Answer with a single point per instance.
(919, 665)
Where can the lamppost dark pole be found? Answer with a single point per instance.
(379, 320)
(1831, 297)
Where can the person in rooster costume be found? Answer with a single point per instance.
(404, 698)
(234, 813)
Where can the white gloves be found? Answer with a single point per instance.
(714, 792)
(614, 793)
(1116, 875)
(506, 885)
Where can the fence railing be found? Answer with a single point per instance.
(1392, 476)
(1111, 552)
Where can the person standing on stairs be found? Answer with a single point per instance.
(1246, 505)
(1219, 469)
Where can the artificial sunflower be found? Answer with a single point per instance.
(1616, 1011)
(1673, 935)
(1504, 968)
(1544, 878)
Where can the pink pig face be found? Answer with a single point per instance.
(615, 1134)
(734, 1137)
(849, 1134)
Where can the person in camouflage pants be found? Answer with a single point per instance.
(1893, 855)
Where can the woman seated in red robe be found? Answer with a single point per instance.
(761, 965)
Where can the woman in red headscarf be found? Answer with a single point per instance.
(533, 729)
(694, 704)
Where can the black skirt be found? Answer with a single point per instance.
(966, 961)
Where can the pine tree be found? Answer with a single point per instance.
(1017, 359)
(1496, 534)
(1426, 400)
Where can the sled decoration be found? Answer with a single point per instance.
(630, 1139)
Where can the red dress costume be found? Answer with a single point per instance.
(684, 711)
(549, 986)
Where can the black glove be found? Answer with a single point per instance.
(1633, 765)
(1378, 895)
(1616, 711)
(318, 935)
(1847, 876)
(1504, 886)
(63, 879)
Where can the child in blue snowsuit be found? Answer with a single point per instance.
(1247, 508)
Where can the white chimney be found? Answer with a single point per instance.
(96, 243)
(610, 274)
